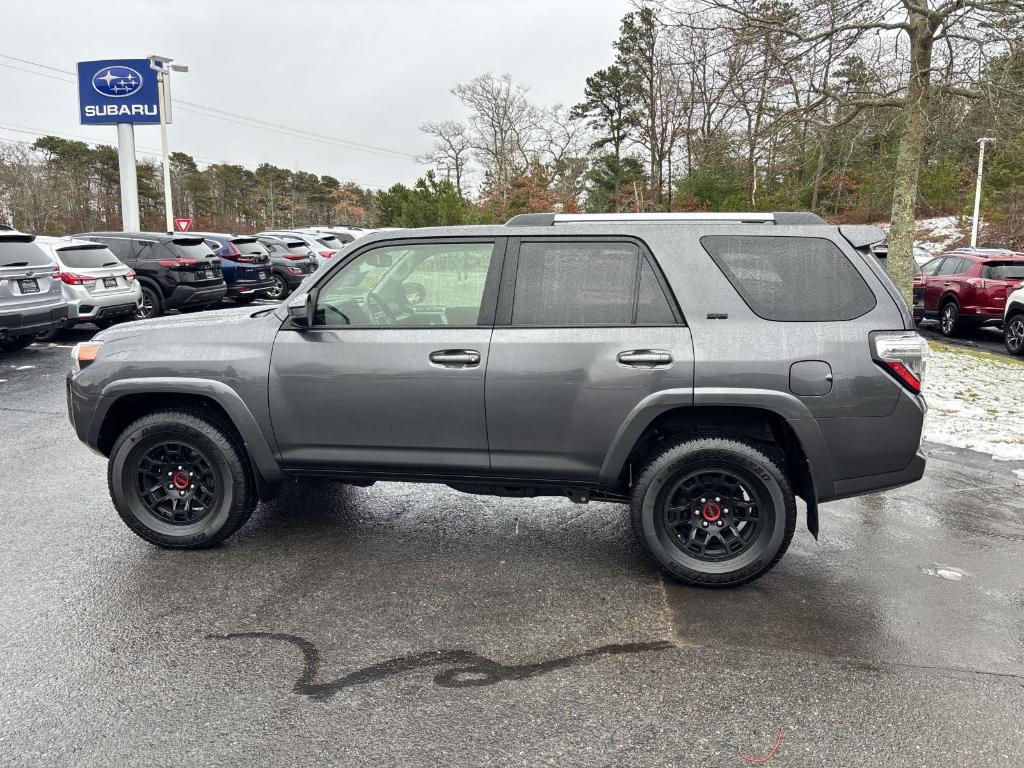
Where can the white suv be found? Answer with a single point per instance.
(97, 286)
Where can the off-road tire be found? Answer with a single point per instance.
(228, 461)
(707, 454)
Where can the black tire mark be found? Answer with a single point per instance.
(465, 669)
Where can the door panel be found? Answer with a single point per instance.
(557, 396)
(366, 398)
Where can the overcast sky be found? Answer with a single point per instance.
(368, 71)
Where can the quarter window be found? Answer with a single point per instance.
(791, 278)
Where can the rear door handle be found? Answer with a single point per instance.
(644, 358)
(456, 358)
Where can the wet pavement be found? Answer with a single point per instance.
(416, 626)
(985, 339)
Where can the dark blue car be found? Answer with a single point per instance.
(245, 264)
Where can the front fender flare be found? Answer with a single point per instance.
(259, 448)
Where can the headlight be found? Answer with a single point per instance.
(83, 354)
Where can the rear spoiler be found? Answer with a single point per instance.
(863, 237)
(15, 237)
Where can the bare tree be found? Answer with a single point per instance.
(451, 148)
(933, 46)
(502, 129)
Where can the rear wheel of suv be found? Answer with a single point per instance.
(151, 305)
(279, 289)
(14, 343)
(180, 479)
(1013, 334)
(949, 318)
(714, 511)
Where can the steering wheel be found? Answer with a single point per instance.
(378, 309)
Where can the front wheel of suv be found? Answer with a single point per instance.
(949, 319)
(180, 479)
(714, 512)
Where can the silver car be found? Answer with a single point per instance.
(30, 296)
(324, 246)
(97, 286)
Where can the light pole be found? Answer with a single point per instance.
(977, 191)
(163, 67)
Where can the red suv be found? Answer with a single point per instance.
(967, 288)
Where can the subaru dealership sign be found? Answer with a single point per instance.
(117, 91)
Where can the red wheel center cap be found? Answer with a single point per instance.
(711, 511)
(180, 480)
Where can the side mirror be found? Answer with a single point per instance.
(301, 312)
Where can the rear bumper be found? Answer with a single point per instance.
(190, 296)
(249, 289)
(33, 321)
(858, 486)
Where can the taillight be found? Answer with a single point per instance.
(327, 254)
(903, 354)
(129, 276)
(72, 279)
(294, 270)
(178, 262)
(294, 257)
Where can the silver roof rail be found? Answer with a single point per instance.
(550, 219)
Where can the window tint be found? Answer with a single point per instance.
(965, 265)
(18, 253)
(249, 246)
(1013, 270)
(410, 285)
(949, 266)
(121, 247)
(791, 278)
(931, 267)
(87, 257)
(652, 306)
(559, 284)
(190, 249)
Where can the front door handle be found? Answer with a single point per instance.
(456, 358)
(644, 358)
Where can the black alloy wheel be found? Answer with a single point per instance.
(714, 511)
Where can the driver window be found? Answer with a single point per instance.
(410, 285)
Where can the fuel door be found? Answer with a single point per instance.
(810, 378)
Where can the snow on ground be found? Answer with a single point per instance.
(976, 401)
(940, 234)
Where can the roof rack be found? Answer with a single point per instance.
(794, 218)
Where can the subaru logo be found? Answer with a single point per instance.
(117, 82)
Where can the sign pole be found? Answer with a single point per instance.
(977, 192)
(168, 207)
(129, 180)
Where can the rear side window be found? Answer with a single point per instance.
(565, 284)
(950, 266)
(791, 279)
(87, 257)
(18, 253)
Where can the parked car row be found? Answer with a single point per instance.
(50, 283)
(969, 288)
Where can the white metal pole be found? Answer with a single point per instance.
(168, 207)
(977, 190)
(129, 180)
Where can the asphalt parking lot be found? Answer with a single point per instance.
(416, 626)
(987, 339)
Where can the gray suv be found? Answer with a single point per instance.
(31, 301)
(705, 369)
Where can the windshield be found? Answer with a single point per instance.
(1012, 270)
(190, 248)
(330, 241)
(87, 257)
(249, 246)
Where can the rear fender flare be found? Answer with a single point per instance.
(789, 407)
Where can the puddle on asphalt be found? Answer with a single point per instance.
(945, 572)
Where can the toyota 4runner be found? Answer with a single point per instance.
(705, 369)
